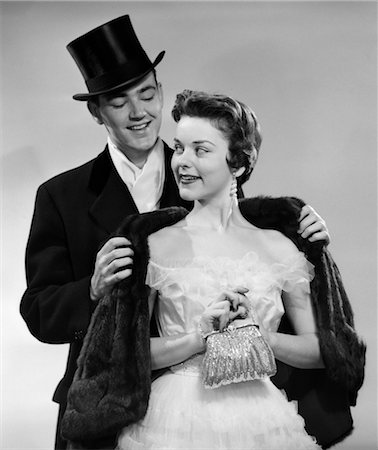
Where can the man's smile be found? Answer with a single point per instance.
(138, 127)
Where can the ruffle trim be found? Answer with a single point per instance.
(228, 272)
(244, 416)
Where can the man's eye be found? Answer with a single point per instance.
(148, 95)
(118, 105)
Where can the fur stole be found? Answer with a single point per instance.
(112, 384)
(342, 350)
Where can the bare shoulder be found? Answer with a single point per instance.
(280, 247)
(166, 241)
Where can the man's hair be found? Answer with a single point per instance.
(234, 119)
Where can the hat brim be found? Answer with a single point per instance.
(128, 83)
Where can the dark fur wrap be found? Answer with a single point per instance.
(113, 381)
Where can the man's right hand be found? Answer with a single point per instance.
(113, 264)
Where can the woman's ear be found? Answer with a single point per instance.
(238, 172)
(254, 156)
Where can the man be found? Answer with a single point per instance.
(70, 260)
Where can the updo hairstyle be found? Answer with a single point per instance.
(234, 119)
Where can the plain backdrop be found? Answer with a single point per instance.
(308, 69)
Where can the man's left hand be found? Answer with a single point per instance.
(312, 226)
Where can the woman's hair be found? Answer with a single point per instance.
(234, 119)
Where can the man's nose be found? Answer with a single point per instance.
(137, 111)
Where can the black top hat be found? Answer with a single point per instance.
(110, 57)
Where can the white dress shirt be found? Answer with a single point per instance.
(145, 184)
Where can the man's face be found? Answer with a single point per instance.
(132, 117)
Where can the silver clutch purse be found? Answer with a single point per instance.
(239, 353)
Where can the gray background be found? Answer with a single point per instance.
(308, 69)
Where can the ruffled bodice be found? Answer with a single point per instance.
(186, 287)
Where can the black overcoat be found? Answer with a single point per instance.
(75, 212)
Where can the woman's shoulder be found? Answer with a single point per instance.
(167, 240)
(267, 237)
(279, 246)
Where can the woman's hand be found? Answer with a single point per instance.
(219, 313)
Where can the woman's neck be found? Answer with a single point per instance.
(212, 215)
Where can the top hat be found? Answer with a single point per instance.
(110, 57)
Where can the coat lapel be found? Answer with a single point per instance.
(113, 200)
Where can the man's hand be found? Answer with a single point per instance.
(312, 226)
(113, 264)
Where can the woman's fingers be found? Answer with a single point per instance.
(240, 313)
(234, 297)
(229, 305)
(224, 320)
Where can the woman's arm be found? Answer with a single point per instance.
(167, 351)
(302, 349)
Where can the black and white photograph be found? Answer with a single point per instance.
(188, 225)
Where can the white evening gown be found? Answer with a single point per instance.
(251, 415)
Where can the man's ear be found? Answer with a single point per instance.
(95, 111)
(160, 92)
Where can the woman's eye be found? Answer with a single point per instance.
(201, 150)
(178, 149)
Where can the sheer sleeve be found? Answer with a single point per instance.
(298, 271)
(155, 277)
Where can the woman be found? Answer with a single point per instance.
(208, 269)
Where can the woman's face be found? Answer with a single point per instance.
(199, 161)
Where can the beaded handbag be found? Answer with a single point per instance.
(239, 353)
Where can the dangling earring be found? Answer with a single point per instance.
(233, 195)
(234, 188)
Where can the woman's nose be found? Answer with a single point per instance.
(185, 158)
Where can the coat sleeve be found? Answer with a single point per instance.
(55, 306)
